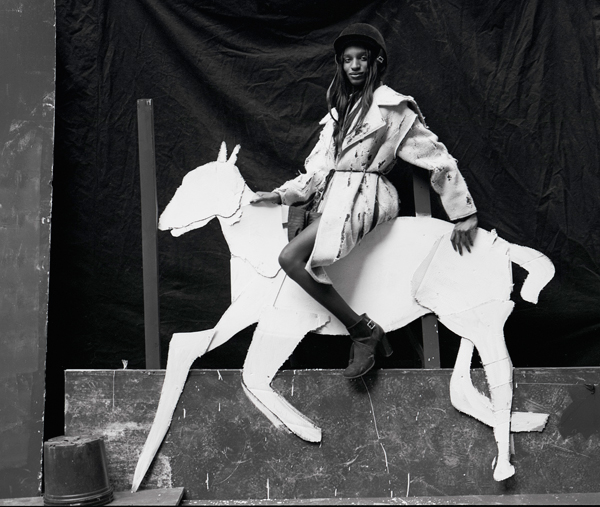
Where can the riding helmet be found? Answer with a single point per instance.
(367, 34)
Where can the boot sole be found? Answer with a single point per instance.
(384, 348)
(360, 374)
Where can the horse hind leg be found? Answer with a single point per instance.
(463, 394)
(499, 373)
(500, 379)
(277, 335)
(483, 325)
(466, 398)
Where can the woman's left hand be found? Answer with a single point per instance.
(464, 233)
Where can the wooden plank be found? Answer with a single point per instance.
(28, 64)
(163, 496)
(149, 231)
(390, 434)
(30, 500)
(566, 499)
(429, 323)
(431, 341)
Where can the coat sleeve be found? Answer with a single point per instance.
(421, 147)
(317, 166)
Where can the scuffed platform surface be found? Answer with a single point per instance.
(566, 499)
(392, 435)
(572, 499)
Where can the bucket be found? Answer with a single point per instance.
(75, 472)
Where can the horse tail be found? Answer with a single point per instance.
(539, 268)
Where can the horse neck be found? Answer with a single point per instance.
(235, 192)
(239, 200)
(254, 234)
(247, 195)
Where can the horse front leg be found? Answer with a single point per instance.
(277, 335)
(184, 349)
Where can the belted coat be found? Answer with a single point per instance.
(351, 190)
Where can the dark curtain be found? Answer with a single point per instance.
(509, 86)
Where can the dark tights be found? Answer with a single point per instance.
(293, 259)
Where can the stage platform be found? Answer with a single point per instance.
(149, 498)
(391, 437)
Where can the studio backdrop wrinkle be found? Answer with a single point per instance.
(511, 88)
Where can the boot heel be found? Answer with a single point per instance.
(384, 346)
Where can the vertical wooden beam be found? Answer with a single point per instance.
(149, 231)
(431, 342)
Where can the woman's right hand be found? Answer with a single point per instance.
(270, 197)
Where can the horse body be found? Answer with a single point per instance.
(402, 270)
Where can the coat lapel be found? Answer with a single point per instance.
(372, 122)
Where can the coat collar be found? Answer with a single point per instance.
(373, 121)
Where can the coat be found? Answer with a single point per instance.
(351, 190)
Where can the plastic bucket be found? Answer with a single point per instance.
(75, 472)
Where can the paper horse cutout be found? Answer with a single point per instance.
(402, 270)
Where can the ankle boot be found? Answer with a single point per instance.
(367, 336)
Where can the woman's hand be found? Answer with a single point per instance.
(464, 233)
(270, 197)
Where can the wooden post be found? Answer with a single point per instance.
(431, 342)
(149, 231)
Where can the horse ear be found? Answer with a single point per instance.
(234, 154)
(222, 153)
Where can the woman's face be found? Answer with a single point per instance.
(355, 60)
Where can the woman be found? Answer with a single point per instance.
(344, 190)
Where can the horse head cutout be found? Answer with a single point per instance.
(211, 190)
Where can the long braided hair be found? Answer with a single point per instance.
(342, 96)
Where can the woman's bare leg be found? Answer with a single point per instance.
(365, 334)
(293, 259)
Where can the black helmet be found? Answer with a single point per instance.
(362, 32)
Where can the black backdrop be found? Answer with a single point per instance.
(511, 87)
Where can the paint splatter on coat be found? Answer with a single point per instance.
(352, 192)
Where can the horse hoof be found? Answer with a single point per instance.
(527, 421)
(503, 471)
